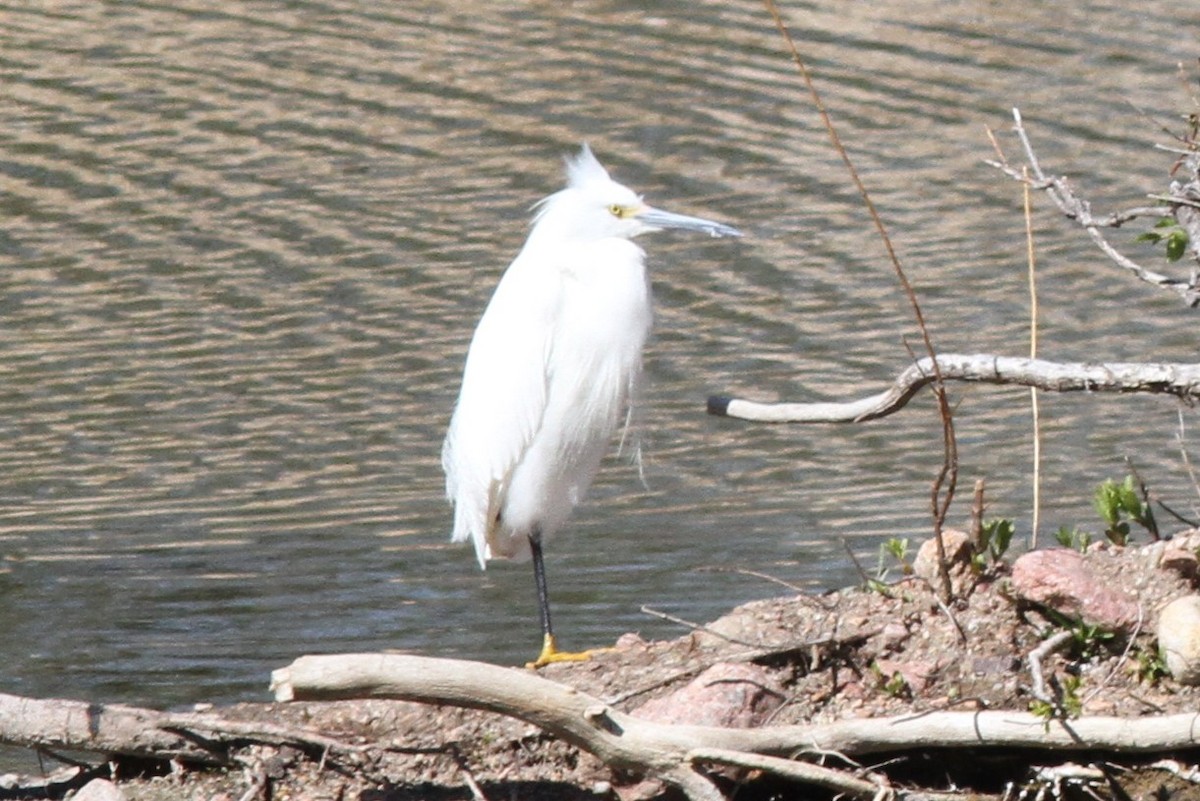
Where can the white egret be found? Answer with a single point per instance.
(552, 370)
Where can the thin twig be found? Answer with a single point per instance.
(741, 571)
(468, 777)
(840, 782)
(1187, 521)
(977, 517)
(1031, 259)
(687, 673)
(256, 780)
(942, 490)
(1150, 524)
(1048, 646)
(1180, 437)
(962, 635)
(1129, 643)
(1182, 201)
(646, 610)
(191, 723)
(862, 572)
(756, 655)
(1148, 117)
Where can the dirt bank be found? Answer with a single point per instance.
(856, 653)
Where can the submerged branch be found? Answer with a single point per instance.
(1182, 380)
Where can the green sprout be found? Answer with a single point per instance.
(1151, 666)
(896, 548)
(1090, 639)
(1073, 538)
(1068, 705)
(895, 685)
(1114, 502)
(995, 537)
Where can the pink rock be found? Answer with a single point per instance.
(735, 695)
(958, 559)
(1061, 579)
(917, 675)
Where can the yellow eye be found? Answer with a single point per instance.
(617, 210)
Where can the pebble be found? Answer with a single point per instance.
(958, 557)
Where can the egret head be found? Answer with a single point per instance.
(593, 206)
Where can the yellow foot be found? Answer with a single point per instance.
(550, 653)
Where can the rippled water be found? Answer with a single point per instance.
(244, 247)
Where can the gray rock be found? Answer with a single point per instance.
(1179, 638)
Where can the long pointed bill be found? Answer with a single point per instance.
(657, 218)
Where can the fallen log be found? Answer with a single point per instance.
(671, 753)
(56, 723)
(118, 729)
(680, 755)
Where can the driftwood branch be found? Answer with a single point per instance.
(117, 729)
(1181, 380)
(101, 728)
(1178, 201)
(671, 753)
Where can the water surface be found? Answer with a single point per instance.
(244, 246)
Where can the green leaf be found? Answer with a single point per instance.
(1107, 502)
(997, 535)
(1177, 243)
(1128, 499)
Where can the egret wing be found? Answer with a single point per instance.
(501, 403)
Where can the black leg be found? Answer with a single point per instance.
(550, 652)
(539, 578)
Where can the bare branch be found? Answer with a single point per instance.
(1182, 380)
(1058, 189)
